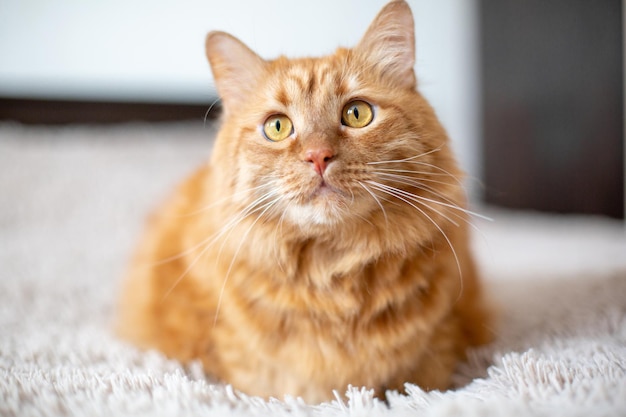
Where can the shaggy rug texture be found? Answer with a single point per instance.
(73, 201)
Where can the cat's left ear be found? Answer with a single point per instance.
(236, 68)
(389, 44)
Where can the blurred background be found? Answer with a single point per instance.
(531, 91)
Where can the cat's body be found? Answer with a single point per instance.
(335, 255)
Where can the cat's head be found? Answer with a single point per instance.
(321, 141)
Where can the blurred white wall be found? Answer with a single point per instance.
(142, 50)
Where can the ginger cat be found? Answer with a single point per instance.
(326, 243)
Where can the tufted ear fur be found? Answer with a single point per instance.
(389, 44)
(236, 68)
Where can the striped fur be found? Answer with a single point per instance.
(284, 281)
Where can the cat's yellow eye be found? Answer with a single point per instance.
(357, 113)
(277, 128)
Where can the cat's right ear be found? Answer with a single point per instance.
(389, 44)
(236, 68)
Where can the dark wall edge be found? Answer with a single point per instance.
(44, 111)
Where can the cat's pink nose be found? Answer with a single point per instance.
(320, 158)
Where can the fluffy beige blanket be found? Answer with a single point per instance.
(73, 200)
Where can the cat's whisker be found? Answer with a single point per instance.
(259, 204)
(444, 201)
(352, 197)
(411, 171)
(429, 173)
(414, 182)
(236, 254)
(186, 271)
(227, 228)
(394, 192)
(215, 236)
(456, 207)
(186, 251)
(447, 202)
(364, 219)
(467, 219)
(411, 180)
(416, 198)
(382, 208)
(411, 158)
(454, 177)
(279, 230)
(206, 115)
(226, 200)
